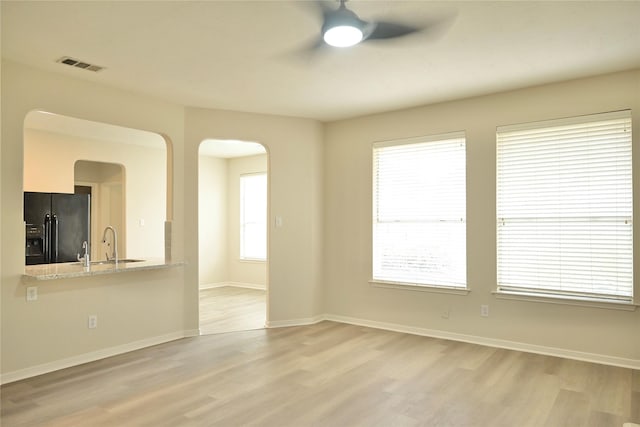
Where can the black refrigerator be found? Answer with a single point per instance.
(56, 226)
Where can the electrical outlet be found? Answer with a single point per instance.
(484, 310)
(446, 313)
(93, 321)
(32, 293)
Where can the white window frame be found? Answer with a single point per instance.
(383, 277)
(260, 221)
(510, 271)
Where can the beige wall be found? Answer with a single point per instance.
(219, 220)
(347, 213)
(1, 189)
(133, 309)
(252, 273)
(213, 230)
(137, 309)
(294, 149)
(320, 257)
(49, 165)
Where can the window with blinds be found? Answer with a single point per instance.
(564, 208)
(419, 211)
(253, 216)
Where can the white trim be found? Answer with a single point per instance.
(491, 342)
(253, 260)
(461, 134)
(257, 286)
(213, 285)
(566, 121)
(422, 288)
(566, 300)
(93, 356)
(296, 322)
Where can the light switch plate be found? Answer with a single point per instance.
(92, 321)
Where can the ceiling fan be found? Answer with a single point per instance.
(341, 27)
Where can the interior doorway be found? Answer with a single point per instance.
(105, 183)
(232, 235)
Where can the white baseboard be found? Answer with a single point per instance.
(213, 285)
(44, 368)
(491, 342)
(295, 322)
(248, 285)
(234, 284)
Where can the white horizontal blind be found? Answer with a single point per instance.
(419, 211)
(564, 207)
(253, 216)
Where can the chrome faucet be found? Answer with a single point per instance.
(85, 258)
(114, 253)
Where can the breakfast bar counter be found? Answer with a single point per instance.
(77, 269)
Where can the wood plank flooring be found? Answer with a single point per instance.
(328, 374)
(229, 309)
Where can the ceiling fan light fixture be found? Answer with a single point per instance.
(343, 36)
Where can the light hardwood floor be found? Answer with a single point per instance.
(230, 309)
(328, 374)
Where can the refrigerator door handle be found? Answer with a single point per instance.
(47, 239)
(54, 246)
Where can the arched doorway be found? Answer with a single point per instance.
(232, 235)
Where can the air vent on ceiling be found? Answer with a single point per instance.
(79, 64)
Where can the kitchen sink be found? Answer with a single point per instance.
(112, 261)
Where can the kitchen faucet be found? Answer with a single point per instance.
(114, 254)
(85, 259)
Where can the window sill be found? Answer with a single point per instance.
(253, 260)
(566, 300)
(422, 288)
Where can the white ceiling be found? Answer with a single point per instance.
(87, 129)
(56, 123)
(228, 149)
(240, 55)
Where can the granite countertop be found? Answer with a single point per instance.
(76, 269)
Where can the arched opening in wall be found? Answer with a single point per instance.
(105, 184)
(232, 235)
(120, 173)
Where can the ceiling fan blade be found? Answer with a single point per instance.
(313, 46)
(387, 30)
(433, 28)
(308, 52)
(321, 8)
(375, 30)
